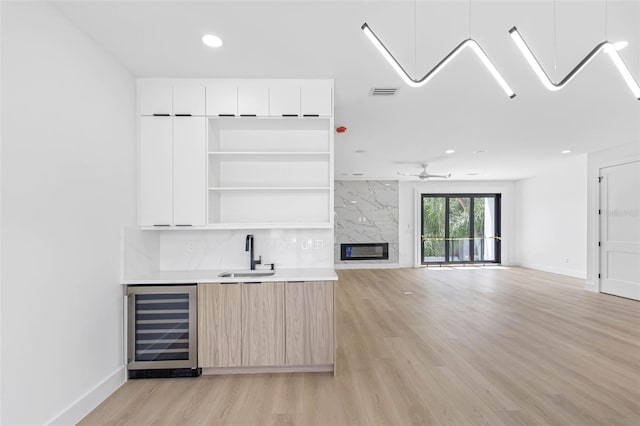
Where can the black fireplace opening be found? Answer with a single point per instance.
(364, 251)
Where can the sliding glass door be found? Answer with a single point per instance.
(460, 228)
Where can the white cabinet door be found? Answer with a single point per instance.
(188, 100)
(284, 101)
(253, 101)
(155, 98)
(189, 179)
(315, 98)
(156, 177)
(222, 99)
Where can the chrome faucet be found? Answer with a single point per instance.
(249, 247)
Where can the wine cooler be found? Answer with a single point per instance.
(162, 333)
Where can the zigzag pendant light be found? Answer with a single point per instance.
(475, 47)
(607, 47)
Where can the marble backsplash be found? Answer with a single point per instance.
(140, 251)
(148, 251)
(366, 212)
(225, 249)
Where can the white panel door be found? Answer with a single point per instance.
(156, 171)
(620, 230)
(188, 100)
(222, 98)
(316, 98)
(189, 179)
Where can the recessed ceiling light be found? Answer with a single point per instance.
(449, 151)
(566, 151)
(360, 151)
(212, 40)
(479, 151)
(472, 174)
(354, 201)
(356, 174)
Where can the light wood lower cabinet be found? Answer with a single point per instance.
(309, 323)
(263, 324)
(219, 325)
(270, 326)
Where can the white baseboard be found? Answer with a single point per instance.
(367, 266)
(90, 400)
(591, 286)
(556, 270)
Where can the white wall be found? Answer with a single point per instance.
(597, 160)
(552, 219)
(0, 216)
(409, 226)
(68, 179)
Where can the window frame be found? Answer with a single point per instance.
(497, 226)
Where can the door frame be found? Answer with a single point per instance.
(420, 220)
(598, 217)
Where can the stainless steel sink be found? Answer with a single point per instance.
(246, 274)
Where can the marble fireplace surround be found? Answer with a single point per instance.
(366, 212)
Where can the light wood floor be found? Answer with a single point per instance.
(473, 346)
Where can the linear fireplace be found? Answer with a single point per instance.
(364, 251)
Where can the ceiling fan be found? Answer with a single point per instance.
(423, 175)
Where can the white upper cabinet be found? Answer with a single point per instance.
(236, 97)
(284, 101)
(189, 171)
(222, 98)
(203, 165)
(188, 99)
(158, 98)
(156, 175)
(155, 99)
(316, 98)
(253, 101)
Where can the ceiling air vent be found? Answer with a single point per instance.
(383, 91)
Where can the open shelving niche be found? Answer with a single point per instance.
(270, 172)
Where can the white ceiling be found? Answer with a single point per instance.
(462, 108)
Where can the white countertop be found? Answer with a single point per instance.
(211, 276)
